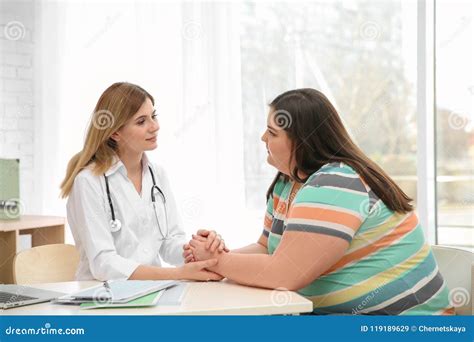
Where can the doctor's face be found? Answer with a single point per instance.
(279, 145)
(140, 132)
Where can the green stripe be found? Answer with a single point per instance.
(280, 186)
(334, 197)
(270, 206)
(273, 242)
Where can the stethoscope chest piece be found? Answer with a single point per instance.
(115, 225)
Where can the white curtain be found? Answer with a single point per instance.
(187, 56)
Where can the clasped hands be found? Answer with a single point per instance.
(204, 245)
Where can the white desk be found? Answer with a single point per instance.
(201, 298)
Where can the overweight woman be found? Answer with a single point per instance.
(120, 206)
(337, 228)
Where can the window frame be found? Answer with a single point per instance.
(426, 120)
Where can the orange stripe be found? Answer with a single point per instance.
(267, 222)
(403, 228)
(448, 312)
(276, 199)
(323, 214)
(281, 208)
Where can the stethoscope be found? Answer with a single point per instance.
(116, 225)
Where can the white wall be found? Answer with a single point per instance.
(17, 122)
(185, 54)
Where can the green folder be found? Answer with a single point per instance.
(148, 300)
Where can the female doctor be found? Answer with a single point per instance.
(120, 206)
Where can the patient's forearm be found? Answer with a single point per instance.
(254, 248)
(260, 270)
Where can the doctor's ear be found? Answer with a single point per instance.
(113, 140)
(115, 137)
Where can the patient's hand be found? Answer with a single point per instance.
(199, 251)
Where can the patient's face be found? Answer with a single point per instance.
(278, 144)
(139, 133)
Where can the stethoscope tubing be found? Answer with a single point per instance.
(116, 225)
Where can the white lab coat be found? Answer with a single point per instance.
(106, 255)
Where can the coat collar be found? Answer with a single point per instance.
(118, 166)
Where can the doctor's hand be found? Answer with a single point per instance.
(188, 254)
(213, 240)
(197, 271)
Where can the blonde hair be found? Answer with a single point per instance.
(117, 104)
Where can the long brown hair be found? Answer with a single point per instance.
(319, 137)
(117, 104)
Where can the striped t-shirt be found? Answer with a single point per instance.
(388, 268)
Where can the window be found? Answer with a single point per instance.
(454, 122)
(362, 55)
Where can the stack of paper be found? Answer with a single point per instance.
(119, 293)
(148, 300)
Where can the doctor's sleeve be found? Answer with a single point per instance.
(171, 250)
(92, 227)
